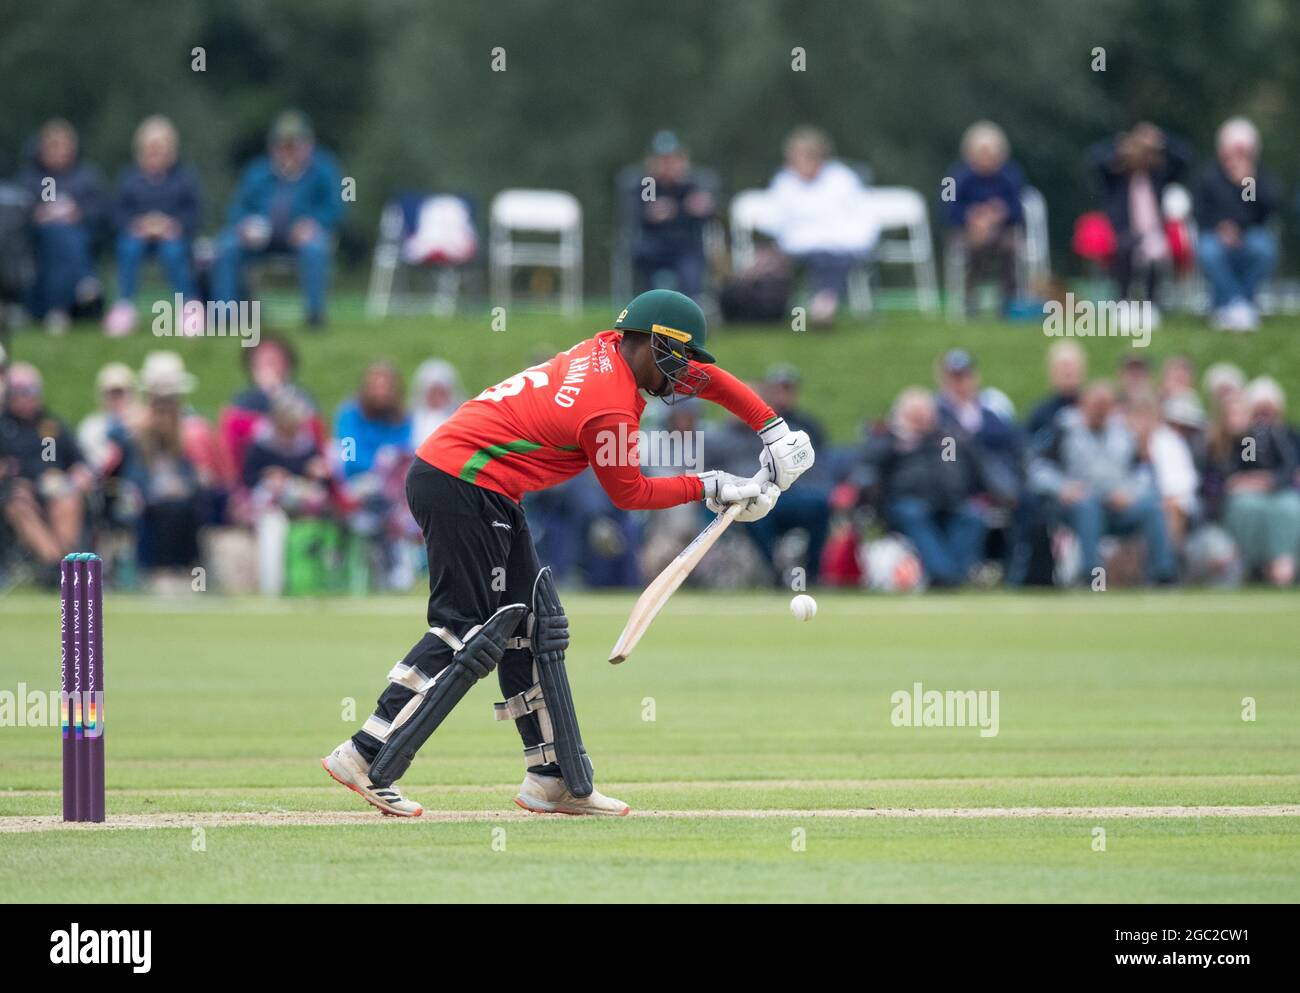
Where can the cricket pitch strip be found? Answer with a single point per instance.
(221, 819)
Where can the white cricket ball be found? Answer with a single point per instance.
(803, 607)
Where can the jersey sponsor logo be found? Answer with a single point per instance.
(601, 357)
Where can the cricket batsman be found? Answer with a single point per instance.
(491, 604)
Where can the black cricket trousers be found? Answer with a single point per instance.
(481, 555)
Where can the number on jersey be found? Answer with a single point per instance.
(513, 386)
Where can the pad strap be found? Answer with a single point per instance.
(377, 727)
(520, 705)
(408, 676)
(543, 754)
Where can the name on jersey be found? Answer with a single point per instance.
(567, 393)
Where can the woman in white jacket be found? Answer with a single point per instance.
(819, 218)
(1170, 460)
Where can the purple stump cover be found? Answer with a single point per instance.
(95, 687)
(66, 705)
(81, 679)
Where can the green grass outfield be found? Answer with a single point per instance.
(1117, 711)
(850, 373)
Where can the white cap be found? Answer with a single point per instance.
(115, 376)
(163, 374)
(1265, 389)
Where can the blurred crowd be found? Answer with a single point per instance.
(1142, 476)
(288, 205)
(1139, 475)
(273, 495)
(1159, 217)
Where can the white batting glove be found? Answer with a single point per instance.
(758, 507)
(787, 454)
(722, 488)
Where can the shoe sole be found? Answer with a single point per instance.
(324, 764)
(519, 801)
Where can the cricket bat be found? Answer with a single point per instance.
(652, 600)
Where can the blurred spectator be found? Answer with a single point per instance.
(271, 365)
(435, 395)
(963, 414)
(782, 389)
(168, 489)
(670, 225)
(1169, 459)
(1132, 170)
(925, 495)
(157, 212)
(1221, 381)
(68, 218)
(373, 420)
(620, 546)
(806, 506)
(43, 481)
(985, 213)
(17, 258)
(285, 447)
(1184, 414)
(731, 445)
(286, 477)
(1235, 202)
(1134, 376)
(289, 202)
(372, 435)
(1067, 368)
(1255, 455)
(1031, 559)
(163, 373)
(583, 537)
(819, 218)
(1177, 375)
(1090, 471)
(115, 387)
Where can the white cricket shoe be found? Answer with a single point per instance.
(347, 766)
(549, 795)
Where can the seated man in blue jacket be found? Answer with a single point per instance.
(290, 201)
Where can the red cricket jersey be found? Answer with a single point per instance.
(544, 425)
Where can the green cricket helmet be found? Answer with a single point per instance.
(677, 331)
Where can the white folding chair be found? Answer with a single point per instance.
(389, 268)
(902, 209)
(1035, 261)
(1033, 258)
(552, 215)
(750, 211)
